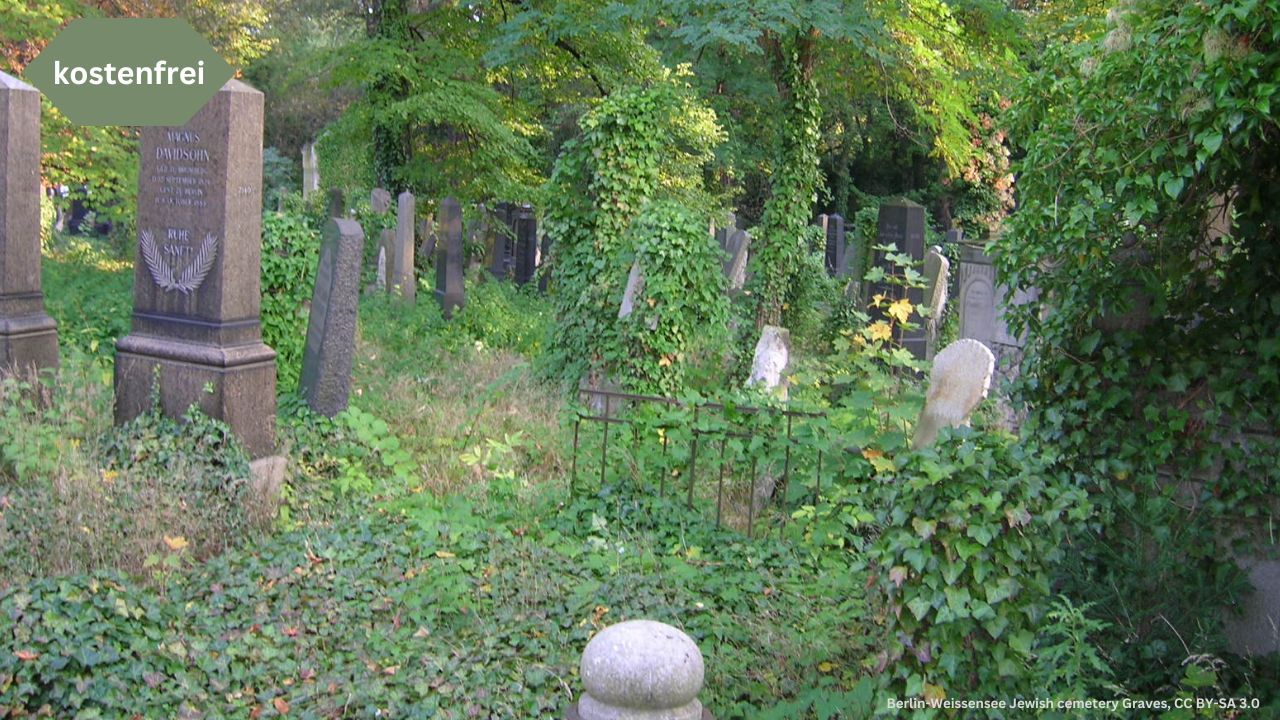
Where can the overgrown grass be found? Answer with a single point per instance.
(88, 289)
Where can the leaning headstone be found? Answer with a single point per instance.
(769, 366)
(197, 278)
(401, 271)
(28, 336)
(449, 258)
(959, 380)
(427, 249)
(310, 170)
(901, 225)
(380, 201)
(735, 268)
(331, 328)
(937, 274)
(635, 286)
(640, 670)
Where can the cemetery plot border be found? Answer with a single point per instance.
(689, 438)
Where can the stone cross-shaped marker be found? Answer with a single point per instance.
(959, 380)
(331, 329)
(937, 275)
(28, 336)
(449, 272)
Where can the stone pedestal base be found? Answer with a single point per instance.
(572, 713)
(28, 342)
(236, 385)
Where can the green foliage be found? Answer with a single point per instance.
(638, 145)
(970, 532)
(290, 253)
(501, 315)
(1147, 226)
(279, 178)
(682, 310)
(1067, 664)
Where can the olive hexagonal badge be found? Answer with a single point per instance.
(145, 71)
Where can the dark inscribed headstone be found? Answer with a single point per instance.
(402, 278)
(449, 291)
(28, 336)
(337, 203)
(901, 225)
(331, 329)
(197, 277)
(526, 257)
(834, 255)
(544, 264)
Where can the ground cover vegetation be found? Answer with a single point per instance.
(447, 545)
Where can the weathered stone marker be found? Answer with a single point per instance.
(331, 329)
(834, 258)
(28, 336)
(310, 170)
(337, 203)
(937, 274)
(449, 259)
(959, 380)
(197, 277)
(640, 670)
(380, 201)
(773, 353)
(386, 259)
(635, 286)
(401, 276)
(735, 268)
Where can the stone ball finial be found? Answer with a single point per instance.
(641, 670)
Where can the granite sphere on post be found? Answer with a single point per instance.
(641, 670)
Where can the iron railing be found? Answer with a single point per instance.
(728, 439)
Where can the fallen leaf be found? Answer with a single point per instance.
(281, 706)
(26, 655)
(175, 543)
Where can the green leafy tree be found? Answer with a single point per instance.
(1148, 229)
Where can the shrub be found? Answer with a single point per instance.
(290, 253)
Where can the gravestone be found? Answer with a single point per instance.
(400, 269)
(958, 381)
(635, 286)
(544, 264)
(722, 233)
(380, 201)
(310, 170)
(331, 328)
(449, 278)
(502, 251)
(386, 259)
(735, 267)
(977, 295)
(937, 275)
(954, 235)
(197, 277)
(901, 225)
(640, 670)
(427, 249)
(526, 255)
(835, 250)
(28, 336)
(337, 203)
(769, 365)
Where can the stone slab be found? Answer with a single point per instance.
(331, 327)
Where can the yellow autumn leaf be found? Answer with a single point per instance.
(877, 299)
(175, 543)
(880, 331)
(900, 310)
(444, 554)
(934, 693)
(665, 361)
(826, 667)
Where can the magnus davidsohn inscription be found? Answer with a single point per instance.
(163, 270)
(180, 173)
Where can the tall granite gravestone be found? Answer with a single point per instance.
(28, 336)
(901, 225)
(331, 329)
(402, 279)
(197, 277)
(449, 259)
(502, 251)
(834, 256)
(526, 245)
(310, 170)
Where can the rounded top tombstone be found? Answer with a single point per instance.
(641, 669)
